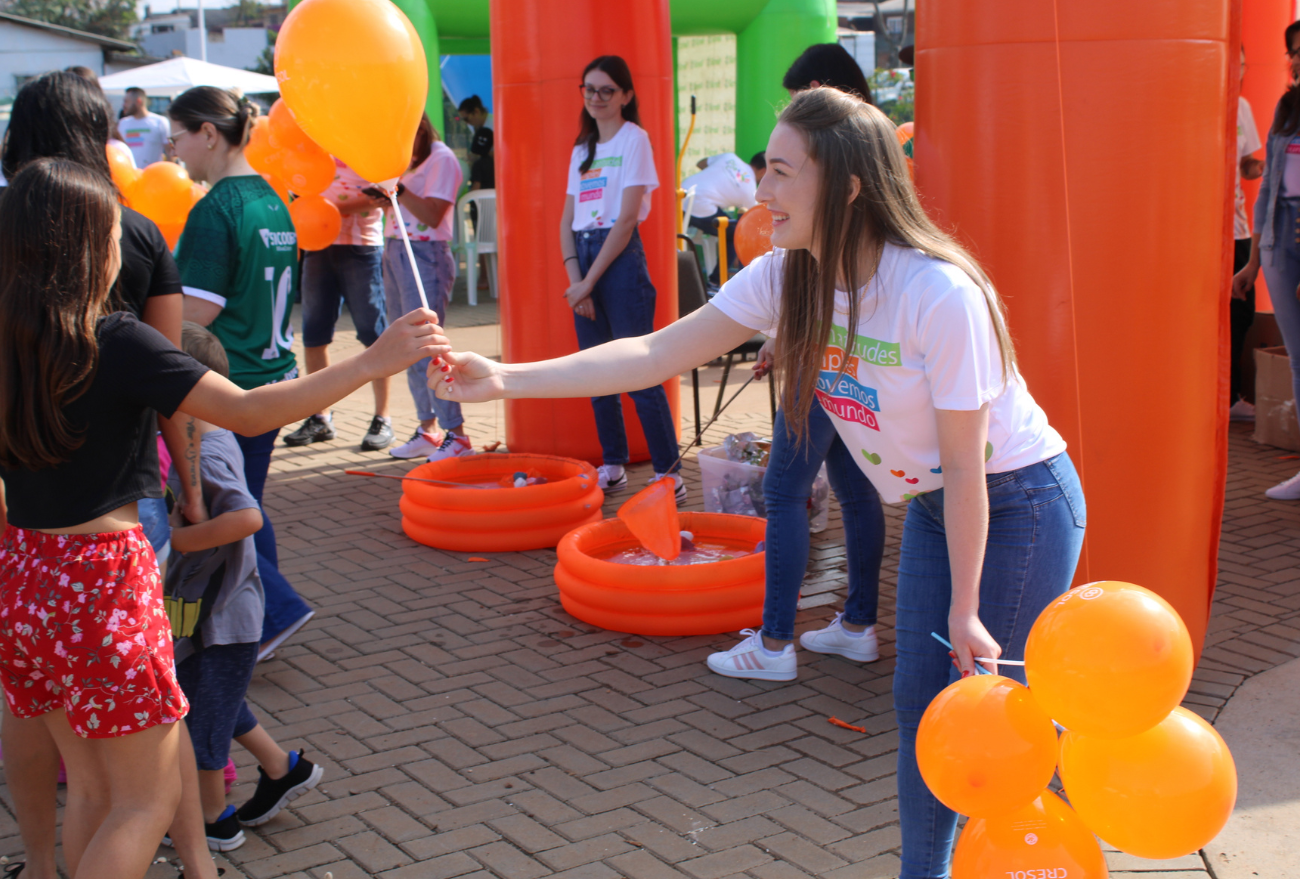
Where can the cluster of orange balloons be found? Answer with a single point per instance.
(1110, 662)
(163, 192)
(294, 163)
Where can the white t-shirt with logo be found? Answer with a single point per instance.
(364, 228)
(728, 182)
(145, 137)
(438, 176)
(626, 159)
(1247, 143)
(925, 341)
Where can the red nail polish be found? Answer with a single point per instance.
(447, 379)
(445, 368)
(437, 361)
(965, 674)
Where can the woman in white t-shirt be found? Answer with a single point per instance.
(427, 198)
(611, 176)
(918, 373)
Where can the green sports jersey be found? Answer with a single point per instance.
(239, 251)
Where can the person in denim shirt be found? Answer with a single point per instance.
(1275, 242)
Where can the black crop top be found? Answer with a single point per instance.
(139, 373)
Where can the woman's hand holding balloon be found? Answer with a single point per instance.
(466, 377)
(407, 340)
(969, 640)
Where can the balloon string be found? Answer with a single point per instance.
(979, 669)
(410, 252)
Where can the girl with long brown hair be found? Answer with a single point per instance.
(892, 328)
(85, 642)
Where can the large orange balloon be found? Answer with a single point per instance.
(753, 234)
(1161, 794)
(354, 74)
(985, 747)
(316, 220)
(292, 156)
(162, 193)
(258, 150)
(124, 172)
(1109, 659)
(1044, 839)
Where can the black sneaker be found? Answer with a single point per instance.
(272, 795)
(225, 834)
(379, 436)
(314, 430)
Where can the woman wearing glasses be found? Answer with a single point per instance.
(1275, 240)
(611, 176)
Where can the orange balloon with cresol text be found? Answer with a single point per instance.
(1162, 794)
(1109, 659)
(985, 747)
(754, 234)
(1044, 839)
(316, 220)
(337, 96)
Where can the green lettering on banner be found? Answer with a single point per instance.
(608, 162)
(867, 349)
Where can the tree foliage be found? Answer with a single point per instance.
(109, 18)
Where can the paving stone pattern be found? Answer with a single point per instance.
(469, 727)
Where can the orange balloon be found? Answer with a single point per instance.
(162, 193)
(1045, 838)
(293, 156)
(1109, 659)
(985, 747)
(259, 149)
(1163, 793)
(171, 232)
(337, 97)
(904, 132)
(753, 234)
(316, 220)
(196, 193)
(280, 187)
(124, 172)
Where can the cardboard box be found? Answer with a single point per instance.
(1275, 409)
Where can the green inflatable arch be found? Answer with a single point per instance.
(770, 34)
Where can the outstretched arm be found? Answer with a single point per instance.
(612, 368)
(219, 401)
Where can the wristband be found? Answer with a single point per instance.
(567, 258)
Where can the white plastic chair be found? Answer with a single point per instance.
(482, 242)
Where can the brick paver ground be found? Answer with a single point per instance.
(470, 728)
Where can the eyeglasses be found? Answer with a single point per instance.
(171, 139)
(604, 92)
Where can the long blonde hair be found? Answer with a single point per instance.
(846, 138)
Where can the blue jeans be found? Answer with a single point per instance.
(791, 469)
(624, 301)
(438, 272)
(1282, 272)
(157, 530)
(284, 606)
(1036, 523)
(351, 273)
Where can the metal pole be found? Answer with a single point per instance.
(203, 35)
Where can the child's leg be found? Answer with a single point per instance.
(186, 832)
(122, 794)
(273, 759)
(32, 772)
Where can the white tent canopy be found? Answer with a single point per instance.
(169, 78)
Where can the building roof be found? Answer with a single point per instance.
(106, 42)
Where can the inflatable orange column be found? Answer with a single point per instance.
(1267, 76)
(1083, 151)
(539, 48)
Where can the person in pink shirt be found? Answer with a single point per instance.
(349, 270)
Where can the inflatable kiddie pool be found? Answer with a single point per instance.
(703, 599)
(499, 519)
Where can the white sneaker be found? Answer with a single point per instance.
(834, 639)
(420, 445)
(452, 446)
(1241, 411)
(1286, 491)
(680, 494)
(611, 478)
(749, 659)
